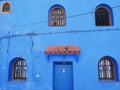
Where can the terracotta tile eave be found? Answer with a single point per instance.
(62, 50)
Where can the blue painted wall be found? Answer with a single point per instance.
(25, 33)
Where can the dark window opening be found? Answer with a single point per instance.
(102, 17)
(6, 7)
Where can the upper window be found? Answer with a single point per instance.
(106, 69)
(57, 16)
(19, 69)
(103, 16)
(6, 7)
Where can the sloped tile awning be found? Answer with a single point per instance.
(62, 49)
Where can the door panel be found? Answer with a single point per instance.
(63, 76)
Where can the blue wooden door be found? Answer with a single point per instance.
(63, 76)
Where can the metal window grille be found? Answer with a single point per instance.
(57, 17)
(20, 69)
(6, 7)
(102, 17)
(106, 69)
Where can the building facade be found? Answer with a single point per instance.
(59, 45)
